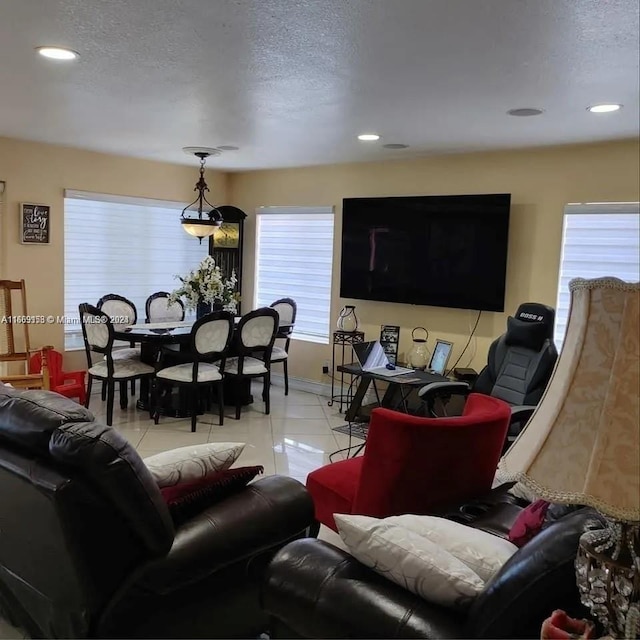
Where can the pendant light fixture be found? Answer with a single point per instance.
(201, 219)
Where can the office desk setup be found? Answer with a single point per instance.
(395, 396)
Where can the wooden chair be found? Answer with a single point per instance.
(287, 309)
(159, 310)
(12, 351)
(253, 344)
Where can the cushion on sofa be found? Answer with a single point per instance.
(187, 499)
(410, 560)
(192, 462)
(482, 552)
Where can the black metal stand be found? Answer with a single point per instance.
(343, 342)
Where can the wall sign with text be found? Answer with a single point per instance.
(35, 223)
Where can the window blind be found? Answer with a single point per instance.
(599, 239)
(129, 246)
(294, 259)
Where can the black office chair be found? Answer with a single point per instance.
(519, 365)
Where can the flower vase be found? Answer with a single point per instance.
(202, 309)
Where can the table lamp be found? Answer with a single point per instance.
(582, 445)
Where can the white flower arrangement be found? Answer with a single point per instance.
(205, 284)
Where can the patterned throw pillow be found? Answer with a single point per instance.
(528, 523)
(192, 462)
(188, 499)
(409, 559)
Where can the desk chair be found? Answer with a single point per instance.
(519, 366)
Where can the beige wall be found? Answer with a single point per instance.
(40, 173)
(541, 182)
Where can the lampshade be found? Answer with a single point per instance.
(582, 444)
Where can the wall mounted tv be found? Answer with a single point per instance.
(444, 251)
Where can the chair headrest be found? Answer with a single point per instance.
(531, 326)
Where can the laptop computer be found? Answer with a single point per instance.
(373, 359)
(440, 357)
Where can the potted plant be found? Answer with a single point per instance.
(205, 289)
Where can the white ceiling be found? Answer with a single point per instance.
(292, 82)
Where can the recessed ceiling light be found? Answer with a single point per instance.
(604, 108)
(395, 145)
(368, 137)
(57, 53)
(523, 112)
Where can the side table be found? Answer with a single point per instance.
(343, 342)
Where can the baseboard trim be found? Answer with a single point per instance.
(303, 384)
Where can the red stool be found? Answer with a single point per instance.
(66, 383)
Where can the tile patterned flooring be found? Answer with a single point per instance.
(293, 440)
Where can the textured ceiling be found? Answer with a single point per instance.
(292, 82)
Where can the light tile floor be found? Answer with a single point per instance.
(293, 440)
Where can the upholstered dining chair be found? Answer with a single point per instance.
(254, 336)
(287, 309)
(97, 332)
(159, 310)
(123, 313)
(203, 366)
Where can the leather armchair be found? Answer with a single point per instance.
(88, 548)
(315, 590)
(519, 366)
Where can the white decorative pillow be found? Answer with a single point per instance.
(409, 559)
(482, 552)
(192, 462)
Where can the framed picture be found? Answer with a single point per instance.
(389, 338)
(227, 236)
(35, 223)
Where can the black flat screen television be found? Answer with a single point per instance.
(443, 251)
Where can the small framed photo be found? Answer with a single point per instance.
(35, 223)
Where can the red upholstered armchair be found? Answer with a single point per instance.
(415, 465)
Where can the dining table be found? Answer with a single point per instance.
(156, 336)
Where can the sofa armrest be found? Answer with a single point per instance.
(263, 516)
(320, 591)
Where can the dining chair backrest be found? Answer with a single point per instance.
(158, 308)
(12, 347)
(121, 311)
(287, 309)
(211, 335)
(256, 331)
(97, 332)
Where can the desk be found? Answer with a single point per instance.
(396, 393)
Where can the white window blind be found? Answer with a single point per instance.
(294, 259)
(129, 246)
(599, 239)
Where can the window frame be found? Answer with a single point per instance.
(328, 210)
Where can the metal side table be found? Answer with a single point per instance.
(343, 342)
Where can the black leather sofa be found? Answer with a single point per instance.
(88, 548)
(315, 590)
